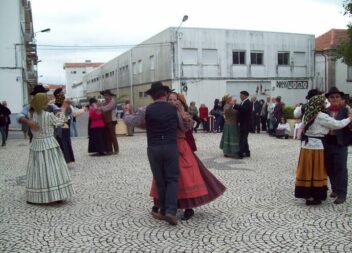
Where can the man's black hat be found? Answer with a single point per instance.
(58, 91)
(334, 90)
(106, 92)
(39, 89)
(244, 92)
(157, 86)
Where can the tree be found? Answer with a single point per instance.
(344, 50)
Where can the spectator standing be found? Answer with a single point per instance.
(264, 113)
(8, 119)
(128, 108)
(3, 122)
(256, 115)
(271, 118)
(73, 126)
(278, 112)
(217, 113)
(203, 115)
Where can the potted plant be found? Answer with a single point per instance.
(288, 114)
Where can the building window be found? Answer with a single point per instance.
(349, 73)
(140, 66)
(140, 94)
(190, 56)
(152, 62)
(257, 58)
(106, 75)
(73, 72)
(210, 56)
(145, 94)
(299, 58)
(283, 58)
(238, 57)
(134, 68)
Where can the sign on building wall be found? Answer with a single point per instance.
(302, 85)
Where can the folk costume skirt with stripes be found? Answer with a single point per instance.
(197, 185)
(48, 178)
(230, 140)
(311, 177)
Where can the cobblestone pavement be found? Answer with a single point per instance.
(110, 211)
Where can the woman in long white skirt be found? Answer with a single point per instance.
(48, 178)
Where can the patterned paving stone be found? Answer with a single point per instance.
(110, 211)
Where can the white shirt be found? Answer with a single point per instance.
(321, 126)
(297, 113)
(285, 127)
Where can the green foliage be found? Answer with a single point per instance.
(344, 50)
(288, 112)
(121, 99)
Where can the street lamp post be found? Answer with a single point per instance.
(184, 19)
(35, 42)
(43, 31)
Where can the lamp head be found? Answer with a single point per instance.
(185, 17)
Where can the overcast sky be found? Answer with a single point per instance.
(129, 22)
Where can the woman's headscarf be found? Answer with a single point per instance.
(59, 97)
(39, 102)
(314, 106)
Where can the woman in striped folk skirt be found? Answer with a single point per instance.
(48, 178)
(230, 137)
(311, 176)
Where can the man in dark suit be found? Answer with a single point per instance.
(336, 147)
(161, 121)
(256, 115)
(245, 114)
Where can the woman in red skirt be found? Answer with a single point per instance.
(197, 185)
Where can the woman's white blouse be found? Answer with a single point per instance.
(321, 126)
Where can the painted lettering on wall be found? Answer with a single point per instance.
(292, 84)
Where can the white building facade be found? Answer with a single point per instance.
(74, 73)
(18, 54)
(205, 64)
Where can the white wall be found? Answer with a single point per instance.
(11, 82)
(341, 78)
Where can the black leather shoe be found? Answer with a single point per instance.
(247, 155)
(313, 202)
(187, 214)
(333, 195)
(339, 201)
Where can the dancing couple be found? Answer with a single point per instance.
(180, 178)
